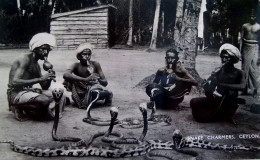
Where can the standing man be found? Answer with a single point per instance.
(249, 50)
(221, 89)
(24, 73)
(171, 83)
(85, 76)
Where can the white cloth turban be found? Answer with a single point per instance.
(231, 50)
(84, 46)
(41, 39)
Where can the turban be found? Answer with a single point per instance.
(41, 39)
(231, 50)
(84, 46)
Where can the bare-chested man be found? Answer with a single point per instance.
(24, 73)
(249, 51)
(171, 83)
(221, 90)
(85, 76)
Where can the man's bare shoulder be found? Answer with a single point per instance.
(95, 63)
(245, 25)
(249, 25)
(22, 61)
(239, 71)
(180, 67)
(74, 65)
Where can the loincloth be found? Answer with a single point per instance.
(249, 54)
(81, 93)
(22, 97)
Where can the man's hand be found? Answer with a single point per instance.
(48, 76)
(173, 75)
(93, 78)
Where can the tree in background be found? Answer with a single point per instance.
(186, 34)
(155, 26)
(130, 33)
(224, 19)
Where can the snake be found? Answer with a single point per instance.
(104, 134)
(57, 94)
(118, 142)
(147, 146)
(189, 142)
(159, 117)
(96, 121)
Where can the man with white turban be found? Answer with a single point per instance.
(25, 72)
(221, 89)
(85, 78)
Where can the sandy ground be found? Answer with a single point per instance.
(124, 69)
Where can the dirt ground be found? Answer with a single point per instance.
(124, 69)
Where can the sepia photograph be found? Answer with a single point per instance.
(129, 79)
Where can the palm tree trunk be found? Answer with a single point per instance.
(186, 34)
(130, 32)
(155, 25)
(19, 7)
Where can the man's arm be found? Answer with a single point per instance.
(187, 78)
(102, 79)
(158, 75)
(69, 74)
(239, 86)
(19, 72)
(241, 37)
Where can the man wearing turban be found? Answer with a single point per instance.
(25, 72)
(221, 89)
(86, 76)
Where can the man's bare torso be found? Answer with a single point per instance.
(251, 31)
(31, 69)
(85, 71)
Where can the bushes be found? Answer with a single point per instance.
(17, 29)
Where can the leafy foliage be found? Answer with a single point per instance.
(227, 17)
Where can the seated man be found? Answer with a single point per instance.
(84, 77)
(171, 83)
(221, 89)
(24, 73)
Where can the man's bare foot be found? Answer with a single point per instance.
(19, 115)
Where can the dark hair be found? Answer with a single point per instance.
(172, 50)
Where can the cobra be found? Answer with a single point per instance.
(57, 95)
(117, 143)
(95, 121)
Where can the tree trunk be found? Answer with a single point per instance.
(19, 7)
(155, 25)
(186, 33)
(130, 32)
